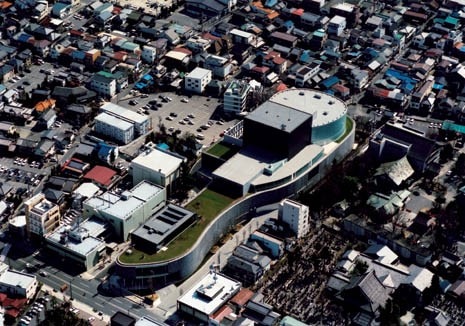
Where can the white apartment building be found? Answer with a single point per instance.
(296, 215)
(305, 73)
(235, 97)
(103, 85)
(197, 80)
(197, 44)
(42, 216)
(114, 128)
(149, 54)
(140, 122)
(337, 25)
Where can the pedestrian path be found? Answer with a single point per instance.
(86, 311)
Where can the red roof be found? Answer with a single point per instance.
(209, 36)
(281, 87)
(261, 70)
(242, 297)
(101, 175)
(298, 12)
(221, 313)
(183, 50)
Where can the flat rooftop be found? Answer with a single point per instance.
(198, 73)
(164, 223)
(82, 239)
(210, 293)
(122, 112)
(14, 278)
(147, 321)
(157, 160)
(122, 206)
(113, 121)
(308, 156)
(246, 165)
(323, 107)
(278, 116)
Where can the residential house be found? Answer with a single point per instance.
(104, 84)
(274, 60)
(6, 73)
(197, 80)
(219, 66)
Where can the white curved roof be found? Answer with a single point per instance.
(325, 108)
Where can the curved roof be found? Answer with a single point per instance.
(325, 108)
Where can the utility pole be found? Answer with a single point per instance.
(70, 289)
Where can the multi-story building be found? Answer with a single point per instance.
(81, 245)
(197, 80)
(295, 215)
(207, 296)
(159, 167)
(104, 84)
(305, 73)
(235, 97)
(115, 128)
(127, 211)
(336, 25)
(140, 122)
(149, 54)
(17, 284)
(42, 216)
(220, 66)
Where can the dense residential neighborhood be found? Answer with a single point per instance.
(230, 162)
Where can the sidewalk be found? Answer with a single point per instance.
(85, 310)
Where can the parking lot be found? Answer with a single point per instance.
(200, 115)
(21, 173)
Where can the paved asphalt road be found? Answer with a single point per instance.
(86, 291)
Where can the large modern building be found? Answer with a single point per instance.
(207, 296)
(114, 128)
(260, 174)
(42, 216)
(235, 97)
(140, 122)
(163, 227)
(157, 166)
(283, 138)
(197, 80)
(80, 244)
(126, 211)
(296, 215)
(394, 141)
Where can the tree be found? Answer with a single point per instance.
(447, 153)
(460, 165)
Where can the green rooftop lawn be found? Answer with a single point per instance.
(222, 150)
(207, 206)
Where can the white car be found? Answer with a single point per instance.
(184, 100)
(91, 319)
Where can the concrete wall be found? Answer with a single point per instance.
(157, 275)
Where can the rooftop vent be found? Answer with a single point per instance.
(283, 127)
(301, 93)
(325, 113)
(331, 102)
(318, 96)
